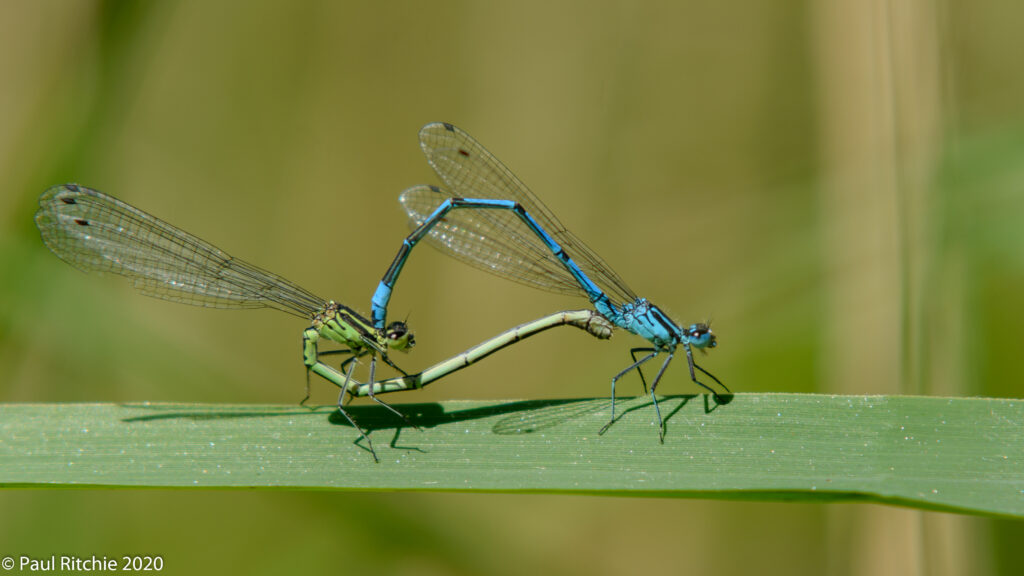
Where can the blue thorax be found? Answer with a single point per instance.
(649, 322)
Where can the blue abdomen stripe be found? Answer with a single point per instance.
(383, 294)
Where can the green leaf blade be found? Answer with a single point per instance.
(954, 454)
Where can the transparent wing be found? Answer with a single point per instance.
(489, 240)
(95, 232)
(497, 241)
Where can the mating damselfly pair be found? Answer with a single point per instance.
(486, 217)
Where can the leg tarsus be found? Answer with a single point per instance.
(654, 386)
(341, 408)
(693, 376)
(718, 398)
(384, 356)
(303, 402)
(616, 378)
(612, 420)
(373, 369)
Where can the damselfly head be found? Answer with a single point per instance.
(700, 336)
(398, 336)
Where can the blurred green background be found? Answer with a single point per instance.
(838, 186)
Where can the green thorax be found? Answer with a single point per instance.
(345, 326)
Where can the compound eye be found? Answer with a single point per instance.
(700, 336)
(396, 330)
(399, 336)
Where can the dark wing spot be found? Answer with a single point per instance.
(434, 189)
(72, 187)
(448, 127)
(463, 152)
(81, 222)
(68, 200)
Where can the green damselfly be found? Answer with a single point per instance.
(95, 232)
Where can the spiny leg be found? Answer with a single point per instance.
(327, 353)
(384, 356)
(693, 376)
(712, 376)
(333, 352)
(355, 356)
(620, 375)
(654, 386)
(341, 408)
(303, 401)
(639, 370)
(373, 369)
